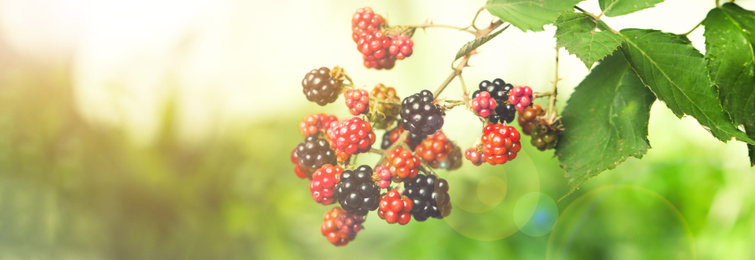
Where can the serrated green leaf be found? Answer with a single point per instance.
(675, 71)
(730, 52)
(585, 37)
(473, 44)
(621, 7)
(529, 15)
(605, 121)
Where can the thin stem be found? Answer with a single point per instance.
(453, 104)
(463, 63)
(456, 71)
(693, 28)
(718, 3)
(433, 25)
(426, 168)
(554, 91)
(597, 18)
(542, 94)
(475, 18)
(381, 101)
(465, 95)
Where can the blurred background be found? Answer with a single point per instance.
(163, 130)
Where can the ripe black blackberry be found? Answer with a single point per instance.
(498, 89)
(505, 113)
(429, 196)
(320, 87)
(419, 115)
(313, 153)
(357, 192)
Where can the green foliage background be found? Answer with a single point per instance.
(73, 189)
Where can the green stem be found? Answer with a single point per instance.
(432, 25)
(693, 28)
(597, 18)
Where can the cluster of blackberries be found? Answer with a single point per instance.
(498, 91)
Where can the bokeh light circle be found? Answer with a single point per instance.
(484, 198)
(621, 222)
(535, 214)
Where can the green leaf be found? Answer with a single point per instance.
(473, 44)
(675, 71)
(583, 36)
(529, 15)
(730, 51)
(605, 121)
(621, 7)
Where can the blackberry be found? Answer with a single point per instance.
(357, 192)
(528, 116)
(439, 152)
(340, 227)
(498, 89)
(387, 111)
(313, 153)
(320, 87)
(429, 196)
(503, 113)
(544, 135)
(419, 115)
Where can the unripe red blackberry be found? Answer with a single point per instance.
(439, 152)
(474, 156)
(340, 227)
(382, 177)
(419, 115)
(323, 183)
(395, 208)
(402, 164)
(483, 104)
(358, 101)
(401, 46)
(316, 123)
(356, 192)
(320, 87)
(352, 136)
(500, 143)
(313, 153)
(520, 97)
(366, 19)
